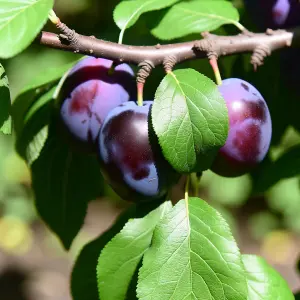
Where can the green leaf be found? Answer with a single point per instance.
(120, 257)
(20, 23)
(192, 256)
(85, 266)
(31, 139)
(195, 17)
(5, 103)
(63, 183)
(34, 90)
(263, 281)
(286, 166)
(127, 13)
(190, 118)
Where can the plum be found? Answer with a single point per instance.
(130, 155)
(88, 94)
(274, 14)
(250, 129)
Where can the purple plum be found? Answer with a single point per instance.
(250, 129)
(130, 155)
(88, 94)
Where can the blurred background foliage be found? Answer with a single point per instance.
(265, 222)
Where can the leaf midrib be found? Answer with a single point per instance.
(212, 16)
(185, 98)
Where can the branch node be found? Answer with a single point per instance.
(146, 67)
(259, 54)
(208, 45)
(169, 62)
(68, 34)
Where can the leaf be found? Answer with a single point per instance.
(33, 136)
(192, 256)
(127, 13)
(5, 103)
(85, 265)
(34, 90)
(63, 183)
(120, 257)
(286, 166)
(20, 23)
(263, 281)
(190, 119)
(195, 17)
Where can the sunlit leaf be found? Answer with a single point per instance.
(20, 23)
(195, 17)
(190, 119)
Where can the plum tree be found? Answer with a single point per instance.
(274, 14)
(131, 158)
(250, 129)
(88, 94)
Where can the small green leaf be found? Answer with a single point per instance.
(120, 257)
(286, 166)
(20, 23)
(5, 103)
(192, 256)
(127, 13)
(63, 183)
(34, 90)
(85, 266)
(264, 283)
(195, 17)
(190, 119)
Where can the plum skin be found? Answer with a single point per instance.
(250, 129)
(130, 155)
(274, 14)
(86, 97)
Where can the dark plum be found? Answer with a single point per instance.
(274, 14)
(250, 129)
(131, 158)
(88, 94)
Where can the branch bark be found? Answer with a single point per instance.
(222, 45)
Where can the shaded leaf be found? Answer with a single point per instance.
(195, 17)
(190, 119)
(5, 103)
(264, 283)
(34, 90)
(286, 166)
(20, 23)
(120, 257)
(33, 136)
(192, 256)
(63, 183)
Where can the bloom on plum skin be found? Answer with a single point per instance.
(274, 14)
(88, 94)
(250, 129)
(130, 156)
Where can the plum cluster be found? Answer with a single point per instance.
(98, 113)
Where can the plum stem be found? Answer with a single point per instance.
(195, 183)
(140, 90)
(214, 64)
(187, 186)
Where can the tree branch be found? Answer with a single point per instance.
(221, 45)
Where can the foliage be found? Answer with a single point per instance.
(154, 250)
